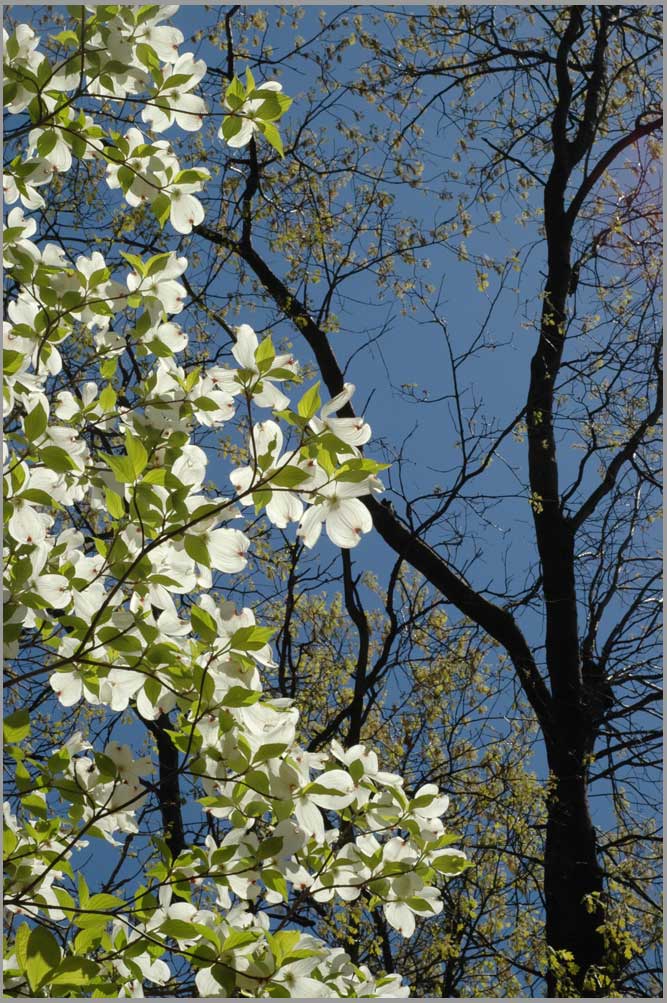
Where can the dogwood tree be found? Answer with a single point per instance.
(114, 541)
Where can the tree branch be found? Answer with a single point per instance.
(497, 622)
(605, 161)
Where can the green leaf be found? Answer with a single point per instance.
(107, 399)
(74, 972)
(99, 908)
(239, 696)
(205, 403)
(422, 802)
(148, 56)
(192, 174)
(239, 938)
(21, 946)
(155, 476)
(66, 38)
(46, 142)
(261, 499)
(275, 881)
(108, 368)
(235, 94)
(126, 177)
(16, 726)
(42, 956)
(251, 638)
(422, 904)
(226, 979)
(310, 403)
(121, 466)
(11, 361)
(178, 929)
(87, 938)
(288, 477)
(114, 503)
(265, 355)
(99, 276)
(270, 751)
(57, 459)
(283, 943)
(203, 623)
(157, 263)
(273, 106)
(195, 547)
(77, 143)
(269, 847)
(356, 770)
(161, 206)
(137, 454)
(231, 124)
(272, 136)
(354, 471)
(450, 863)
(257, 781)
(9, 91)
(135, 261)
(9, 843)
(82, 888)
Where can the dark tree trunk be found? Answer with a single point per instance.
(572, 874)
(169, 790)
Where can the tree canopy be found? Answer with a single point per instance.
(228, 749)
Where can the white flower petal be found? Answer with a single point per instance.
(346, 521)
(309, 818)
(243, 136)
(339, 401)
(67, 686)
(283, 508)
(206, 984)
(270, 396)
(186, 212)
(53, 589)
(245, 347)
(228, 549)
(400, 916)
(310, 526)
(242, 478)
(25, 525)
(353, 431)
(341, 787)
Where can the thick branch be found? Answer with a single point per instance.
(358, 617)
(605, 161)
(623, 456)
(169, 791)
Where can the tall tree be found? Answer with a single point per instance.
(560, 106)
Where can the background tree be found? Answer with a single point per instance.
(518, 149)
(558, 109)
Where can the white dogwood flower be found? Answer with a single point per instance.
(345, 517)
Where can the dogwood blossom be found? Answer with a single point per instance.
(345, 517)
(246, 114)
(114, 542)
(353, 431)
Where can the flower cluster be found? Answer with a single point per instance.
(107, 605)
